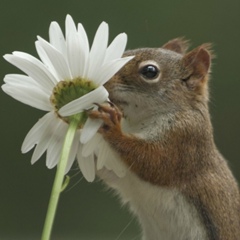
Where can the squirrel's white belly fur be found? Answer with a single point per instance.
(164, 214)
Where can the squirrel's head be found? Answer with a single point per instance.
(166, 79)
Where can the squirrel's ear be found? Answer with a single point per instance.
(179, 45)
(197, 63)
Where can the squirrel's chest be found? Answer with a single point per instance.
(164, 214)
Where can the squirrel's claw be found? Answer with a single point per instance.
(110, 115)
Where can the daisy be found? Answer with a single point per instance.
(66, 81)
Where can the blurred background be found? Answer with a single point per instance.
(89, 211)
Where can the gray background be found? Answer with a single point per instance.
(88, 211)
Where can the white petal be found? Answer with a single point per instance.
(73, 46)
(98, 95)
(92, 145)
(84, 37)
(33, 69)
(34, 60)
(85, 48)
(76, 57)
(70, 26)
(41, 147)
(35, 133)
(73, 151)
(29, 95)
(116, 48)
(57, 38)
(87, 166)
(98, 50)
(45, 137)
(20, 80)
(110, 68)
(57, 59)
(102, 155)
(53, 154)
(38, 63)
(113, 162)
(43, 142)
(89, 130)
(55, 144)
(45, 59)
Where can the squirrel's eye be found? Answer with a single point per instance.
(149, 72)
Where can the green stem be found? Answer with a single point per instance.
(59, 177)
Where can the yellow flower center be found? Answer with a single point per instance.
(68, 90)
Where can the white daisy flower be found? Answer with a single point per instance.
(68, 80)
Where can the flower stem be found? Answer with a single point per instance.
(59, 177)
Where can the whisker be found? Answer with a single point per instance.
(76, 183)
(124, 229)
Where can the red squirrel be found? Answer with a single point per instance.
(177, 183)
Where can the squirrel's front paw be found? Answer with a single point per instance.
(110, 115)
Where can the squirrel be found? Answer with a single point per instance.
(177, 183)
